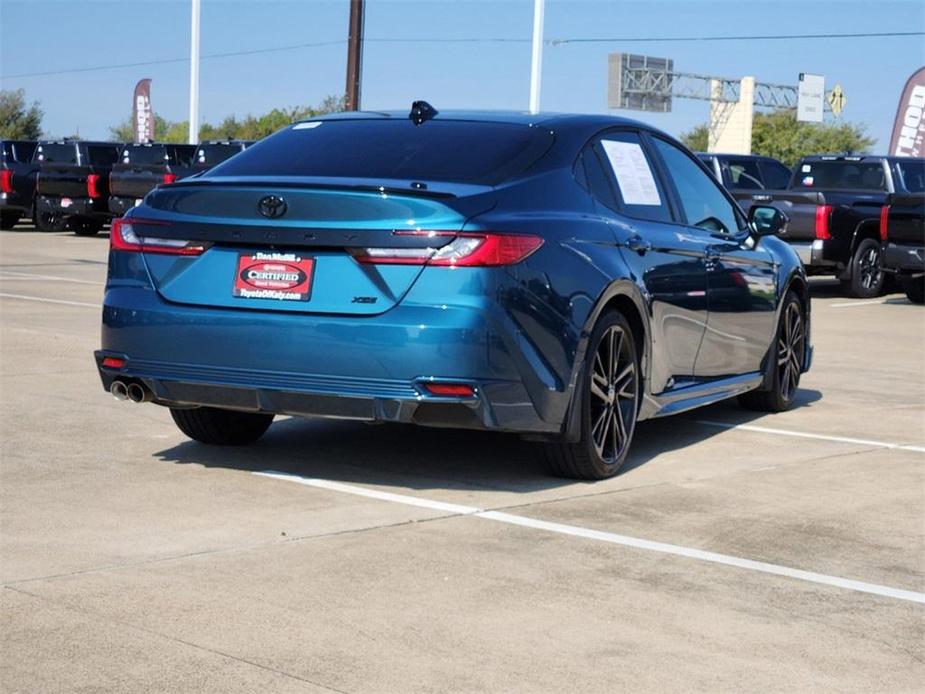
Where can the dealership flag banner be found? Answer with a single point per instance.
(142, 115)
(909, 127)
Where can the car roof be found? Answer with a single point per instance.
(737, 156)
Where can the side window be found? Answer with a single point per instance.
(776, 176)
(744, 174)
(639, 194)
(702, 200)
(597, 181)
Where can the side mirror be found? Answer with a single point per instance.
(767, 221)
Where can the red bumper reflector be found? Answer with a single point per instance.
(823, 214)
(113, 362)
(884, 222)
(450, 390)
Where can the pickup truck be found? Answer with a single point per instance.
(902, 234)
(212, 152)
(743, 174)
(17, 181)
(142, 167)
(73, 183)
(834, 205)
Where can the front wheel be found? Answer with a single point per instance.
(609, 401)
(221, 427)
(915, 289)
(788, 354)
(866, 273)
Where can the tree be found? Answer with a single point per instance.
(780, 135)
(17, 121)
(231, 128)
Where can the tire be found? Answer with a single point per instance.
(789, 351)
(48, 221)
(85, 227)
(8, 219)
(608, 417)
(221, 427)
(915, 289)
(866, 273)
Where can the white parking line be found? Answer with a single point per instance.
(807, 435)
(869, 302)
(23, 297)
(10, 275)
(612, 538)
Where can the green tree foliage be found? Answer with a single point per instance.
(17, 120)
(780, 135)
(231, 128)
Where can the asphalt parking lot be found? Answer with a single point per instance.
(737, 552)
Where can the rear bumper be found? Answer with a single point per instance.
(813, 255)
(904, 259)
(369, 368)
(74, 207)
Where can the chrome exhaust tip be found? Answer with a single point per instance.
(138, 393)
(119, 390)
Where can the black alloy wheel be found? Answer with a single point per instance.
(866, 272)
(609, 402)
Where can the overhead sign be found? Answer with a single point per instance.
(837, 100)
(142, 113)
(639, 82)
(811, 98)
(909, 126)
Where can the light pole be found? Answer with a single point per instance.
(194, 75)
(536, 64)
(354, 55)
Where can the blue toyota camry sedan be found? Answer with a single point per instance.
(560, 277)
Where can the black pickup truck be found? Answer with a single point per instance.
(834, 205)
(73, 184)
(142, 167)
(743, 174)
(17, 181)
(902, 233)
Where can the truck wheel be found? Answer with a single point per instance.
(915, 289)
(48, 221)
(866, 274)
(85, 227)
(221, 427)
(609, 400)
(789, 352)
(8, 219)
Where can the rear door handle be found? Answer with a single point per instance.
(637, 244)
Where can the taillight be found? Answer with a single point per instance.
(884, 221)
(124, 236)
(6, 181)
(823, 213)
(482, 249)
(450, 390)
(169, 178)
(93, 185)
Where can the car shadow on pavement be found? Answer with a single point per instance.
(422, 458)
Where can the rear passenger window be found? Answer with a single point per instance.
(639, 194)
(704, 203)
(776, 176)
(744, 174)
(598, 183)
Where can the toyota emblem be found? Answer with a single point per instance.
(272, 206)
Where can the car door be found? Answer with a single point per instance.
(662, 257)
(741, 275)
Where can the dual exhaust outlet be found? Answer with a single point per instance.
(134, 392)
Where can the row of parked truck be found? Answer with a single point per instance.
(858, 218)
(82, 185)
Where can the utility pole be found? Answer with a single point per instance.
(536, 64)
(354, 54)
(194, 75)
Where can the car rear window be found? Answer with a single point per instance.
(144, 155)
(841, 175)
(913, 173)
(56, 153)
(22, 151)
(216, 153)
(460, 151)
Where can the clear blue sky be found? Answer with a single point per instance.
(39, 35)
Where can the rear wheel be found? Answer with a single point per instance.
(85, 227)
(48, 221)
(789, 355)
(221, 427)
(8, 219)
(609, 400)
(915, 289)
(866, 273)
